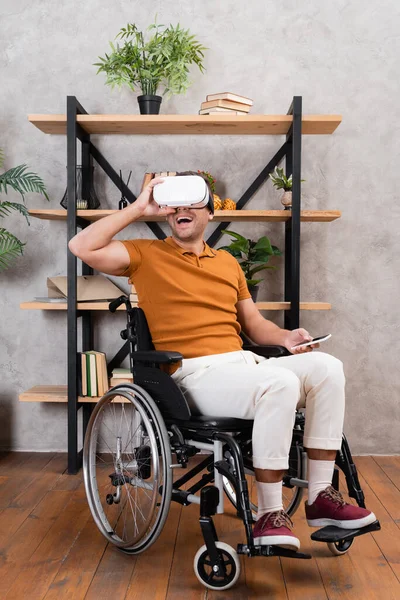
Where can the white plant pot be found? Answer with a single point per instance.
(286, 199)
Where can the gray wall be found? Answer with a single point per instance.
(341, 57)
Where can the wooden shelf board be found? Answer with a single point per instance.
(321, 216)
(53, 393)
(188, 124)
(33, 305)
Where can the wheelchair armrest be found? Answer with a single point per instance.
(156, 356)
(267, 351)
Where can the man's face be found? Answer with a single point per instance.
(188, 223)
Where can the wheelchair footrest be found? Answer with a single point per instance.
(270, 551)
(336, 534)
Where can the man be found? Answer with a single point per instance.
(196, 302)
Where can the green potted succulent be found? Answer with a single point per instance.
(252, 256)
(21, 181)
(281, 182)
(161, 60)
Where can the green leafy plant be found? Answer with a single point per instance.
(252, 256)
(22, 181)
(280, 181)
(209, 178)
(161, 60)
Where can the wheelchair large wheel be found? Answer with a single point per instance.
(127, 468)
(291, 495)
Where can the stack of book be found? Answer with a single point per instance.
(226, 103)
(92, 374)
(149, 176)
(133, 297)
(121, 375)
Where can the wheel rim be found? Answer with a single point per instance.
(126, 464)
(210, 577)
(341, 546)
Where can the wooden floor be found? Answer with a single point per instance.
(50, 547)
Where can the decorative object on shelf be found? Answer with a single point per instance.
(252, 256)
(22, 181)
(162, 60)
(92, 202)
(228, 204)
(123, 203)
(281, 182)
(211, 180)
(226, 103)
(217, 202)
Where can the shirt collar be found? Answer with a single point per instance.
(208, 251)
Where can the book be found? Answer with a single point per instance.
(101, 372)
(120, 373)
(146, 180)
(230, 96)
(83, 373)
(79, 372)
(149, 176)
(91, 374)
(221, 111)
(225, 104)
(116, 381)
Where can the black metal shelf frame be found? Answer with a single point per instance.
(290, 151)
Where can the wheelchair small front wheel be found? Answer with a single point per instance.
(212, 576)
(340, 547)
(127, 468)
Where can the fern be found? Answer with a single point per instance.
(6, 208)
(22, 181)
(10, 248)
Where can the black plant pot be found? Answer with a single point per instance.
(149, 104)
(253, 292)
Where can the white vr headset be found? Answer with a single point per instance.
(185, 190)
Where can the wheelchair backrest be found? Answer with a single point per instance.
(161, 387)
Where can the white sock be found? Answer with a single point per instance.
(320, 473)
(269, 497)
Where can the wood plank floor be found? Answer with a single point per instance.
(50, 548)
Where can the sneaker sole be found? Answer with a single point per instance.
(285, 541)
(353, 524)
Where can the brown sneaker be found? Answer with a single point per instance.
(272, 529)
(329, 508)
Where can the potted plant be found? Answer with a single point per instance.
(281, 182)
(161, 60)
(252, 256)
(21, 181)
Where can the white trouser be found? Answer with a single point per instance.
(247, 386)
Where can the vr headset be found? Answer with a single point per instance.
(185, 190)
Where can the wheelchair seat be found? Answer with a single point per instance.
(204, 422)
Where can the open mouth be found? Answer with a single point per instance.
(182, 220)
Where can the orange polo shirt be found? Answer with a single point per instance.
(189, 300)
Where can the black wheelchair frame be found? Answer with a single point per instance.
(229, 440)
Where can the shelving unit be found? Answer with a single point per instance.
(78, 125)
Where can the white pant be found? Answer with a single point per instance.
(247, 386)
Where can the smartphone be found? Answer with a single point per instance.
(316, 340)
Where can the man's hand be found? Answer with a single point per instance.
(297, 336)
(145, 201)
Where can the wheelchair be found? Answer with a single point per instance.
(135, 430)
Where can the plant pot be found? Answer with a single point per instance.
(286, 199)
(149, 104)
(253, 289)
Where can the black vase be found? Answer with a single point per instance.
(253, 289)
(84, 200)
(149, 104)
